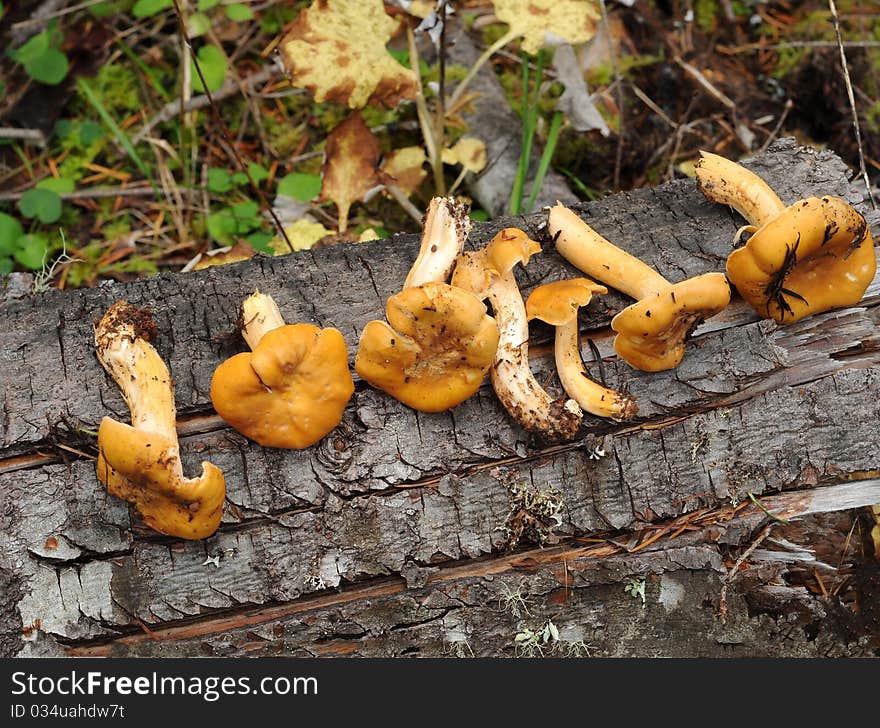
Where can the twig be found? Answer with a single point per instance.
(31, 135)
(647, 101)
(734, 570)
(789, 104)
(618, 79)
(400, 197)
(705, 83)
(89, 194)
(43, 19)
(852, 103)
(230, 88)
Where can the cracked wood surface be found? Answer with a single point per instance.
(391, 536)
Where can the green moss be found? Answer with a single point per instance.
(603, 73)
(788, 60)
(706, 14)
(117, 88)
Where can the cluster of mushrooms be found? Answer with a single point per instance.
(439, 340)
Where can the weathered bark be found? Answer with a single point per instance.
(394, 535)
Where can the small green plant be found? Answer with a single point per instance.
(635, 587)
(28, 250)
(533, 642)
(529, 113)
(42, 58)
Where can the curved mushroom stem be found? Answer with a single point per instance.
(446, 228)
(599, 258)
(122, 343)
(590, 395)
(488, 273)
(728, 183)
(512, 377)
(259, 315)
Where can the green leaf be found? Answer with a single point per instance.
(246, 217)
(198, 24)
(221, 226)
(10, 232)
(213, 65)
(219, 180)
(6, 266)
(239, 178)
(299, 186)
(61, 185)
(45, 205)
(208, 4)
(260, 241)
(50, 68)
(90, 132)
(239, 12)
(146, 8)
(41, 60)
(32, 250)
(257, 172)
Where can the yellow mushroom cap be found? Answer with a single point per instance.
(557, 303)
(816, 255)
(652, 333)
(144, 468)
(436, 350)
(475, 269)
(290, 391)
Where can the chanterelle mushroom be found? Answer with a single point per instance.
(140, 463)
(439, 341)
(651, 334)
(557, 304)
(291, 390)
(812, 256)
(488, 273)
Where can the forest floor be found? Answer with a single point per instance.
(113, 166)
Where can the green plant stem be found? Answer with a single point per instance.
(431, 133)
(546, 157)
(117, 132)
(487, 54)
(530, 122)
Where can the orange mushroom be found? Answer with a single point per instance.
(651, 333)
(289, 391)
(140, 463)
(557, 304)
(488, 273)
(439, 342)
(812, 256)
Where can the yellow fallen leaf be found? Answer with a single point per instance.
(303, 234)
(573, 20)
(368, 235)
(336, 50)
(224, 256)
(469, 152)
(350, 165)
(405, 167)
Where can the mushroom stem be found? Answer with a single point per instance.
(446, 228)
(599, 258)
(590, 395)
(726, 182)
(512, 377)
(488, 273)
(260, 315)
(122, 343)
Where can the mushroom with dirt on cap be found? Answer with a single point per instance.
(292, 388)
(140, 463)
(439, 341)
(557, 304)
(812, 256)
(488, 273)
(651, 333)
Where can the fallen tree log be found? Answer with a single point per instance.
(727, 520)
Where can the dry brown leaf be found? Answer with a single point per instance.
(336, 50)
(469, 152)
(573, 20)
(350, 165)
(405, 168)
(223, 256)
